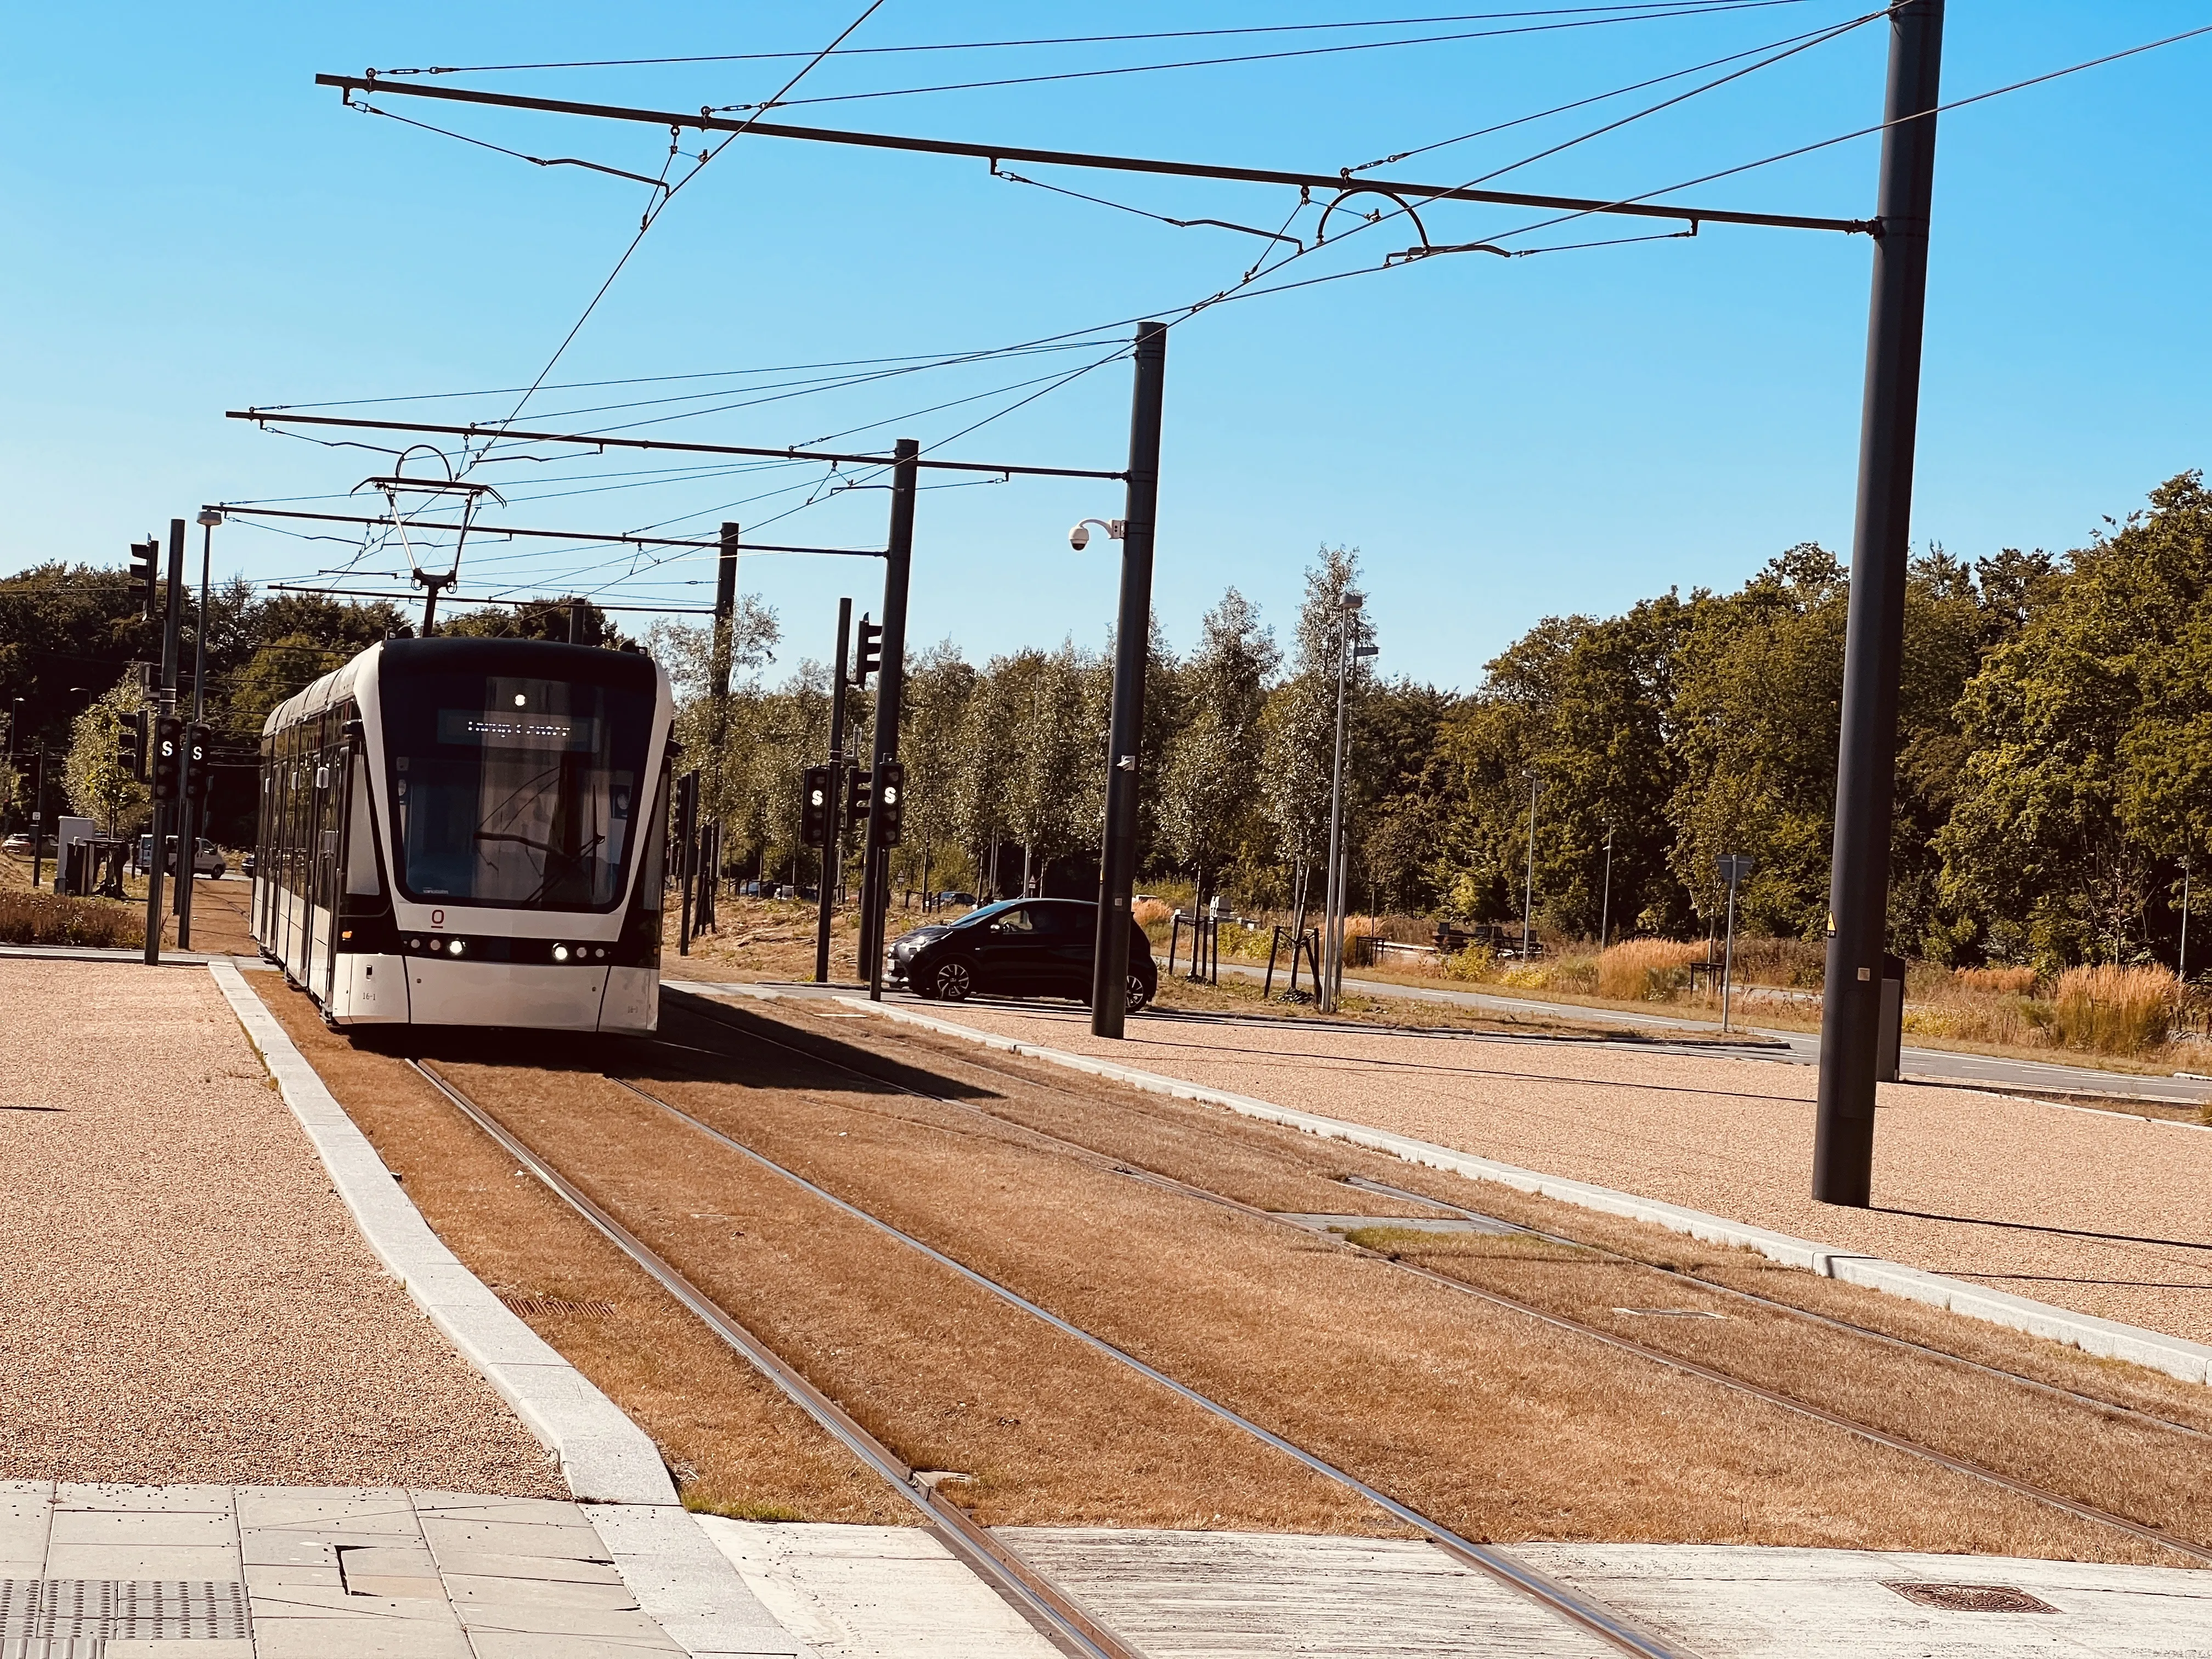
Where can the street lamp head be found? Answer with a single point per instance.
(210, 517)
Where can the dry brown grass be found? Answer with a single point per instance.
(1997, 982)
(736, 1445)
(1152, 913)
(44, 918)
(1645, 969)
(2108, 1010)
(1480, 1416)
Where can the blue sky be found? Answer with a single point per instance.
(194, 226)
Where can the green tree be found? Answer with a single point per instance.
(1298, 725)
(100, 786)
(1208, 809)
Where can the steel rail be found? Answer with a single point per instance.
(348, 84)
(1034, 1596)
(263, 417)
(1561, 1322)
(1560, 1598)
(2091, 1402)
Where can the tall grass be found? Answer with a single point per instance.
(53, 919)
(2002, 982)
(2115, 1010)
(1646, 969)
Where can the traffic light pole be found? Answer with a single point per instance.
(833, 825)
(195, 788)
(890, 694)
(1133, 629)
(164, 812)
(1858, 902)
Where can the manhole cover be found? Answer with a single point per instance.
(1972, 1598)
(39, 1616)
(527, 1305)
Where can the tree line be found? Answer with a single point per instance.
(2054, 777)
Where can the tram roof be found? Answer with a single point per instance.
(537, 659)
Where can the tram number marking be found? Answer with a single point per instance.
(437, 918)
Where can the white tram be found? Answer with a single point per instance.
(469, 832)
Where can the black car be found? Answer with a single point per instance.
(1022, 947)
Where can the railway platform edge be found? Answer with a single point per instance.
(2191, 1362)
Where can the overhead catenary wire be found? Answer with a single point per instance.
(1655, 6)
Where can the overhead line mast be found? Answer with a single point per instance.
(349, 84)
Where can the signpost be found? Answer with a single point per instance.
(1734, 868)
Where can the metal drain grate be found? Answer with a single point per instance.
(69, 1618)
(527, 1305)
(1972, 1598)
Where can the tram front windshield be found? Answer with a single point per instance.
(515, 792)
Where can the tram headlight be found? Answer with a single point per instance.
(560, 953)
(455, 947)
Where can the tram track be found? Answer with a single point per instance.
(1789, 1309)
(1872, 1433)
(1056, 1615)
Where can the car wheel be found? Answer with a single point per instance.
(1139, 992)
(953, 980)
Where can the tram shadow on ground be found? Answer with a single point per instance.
(699, 1040)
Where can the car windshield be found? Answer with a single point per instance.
(986, 912)
(510, 791)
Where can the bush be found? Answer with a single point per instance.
(53, 919)
(2115, 1010)
(1150, 912)
(1646, 969)
(1477, 962)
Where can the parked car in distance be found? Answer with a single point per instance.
(952, 901)
(19, 844)
(207, 860)
(1018, 947)
(245, 865)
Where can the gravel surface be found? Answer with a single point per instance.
(2094, 1210)
(183, 1297)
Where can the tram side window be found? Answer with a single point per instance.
(360, 835)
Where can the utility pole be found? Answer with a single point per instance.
(1605, 904)
(726, 629)
(833, 828)
(1734, 868)
(165, 813)
(890, 691)
(195, 797)
(1132, 629)
(1866, 766)
(1528, 880)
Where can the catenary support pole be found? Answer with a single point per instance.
(833, 817)
(39, 817)
(1858, 902)
(165, 813)
(891, 697)
(1132, 630)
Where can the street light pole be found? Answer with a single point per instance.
(2182, 972)
(1528, 880)
(1132, 628)
(1874, 650)
(1605, 904)
(833, 809)
(1333, 886)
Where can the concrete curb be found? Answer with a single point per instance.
(2108, 1339)
(604, 1457)
(688, 1586)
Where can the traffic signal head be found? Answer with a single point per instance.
(857, 793)
(869, 659)
(169, 755)
(131, 745)
(144, 557)
(890, 790)
(814, 806)
(195, 755)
